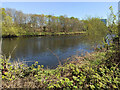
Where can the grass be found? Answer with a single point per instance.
(54, 33)
(45, 34)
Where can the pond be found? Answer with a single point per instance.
(45, 49)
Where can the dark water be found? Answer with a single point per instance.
(43, 49)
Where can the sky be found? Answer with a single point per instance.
(80, 10)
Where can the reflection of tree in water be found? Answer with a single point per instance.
(33, 46)
(8, 45)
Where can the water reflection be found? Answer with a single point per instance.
(37, 48)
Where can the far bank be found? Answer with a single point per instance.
(44, 34)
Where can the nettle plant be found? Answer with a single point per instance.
(113, 45)
(15, 70)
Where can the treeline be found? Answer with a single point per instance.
(17, 23)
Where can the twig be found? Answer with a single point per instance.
(55, 55)
(12, 52)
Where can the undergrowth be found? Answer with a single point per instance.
(90, 71)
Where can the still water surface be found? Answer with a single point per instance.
(43, 48)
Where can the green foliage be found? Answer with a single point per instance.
(98, 70)
(96, 29)
(70, 75)
(8, 28)
(16, 23)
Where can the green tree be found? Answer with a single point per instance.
(96, 29)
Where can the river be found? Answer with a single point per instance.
(45, 49)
